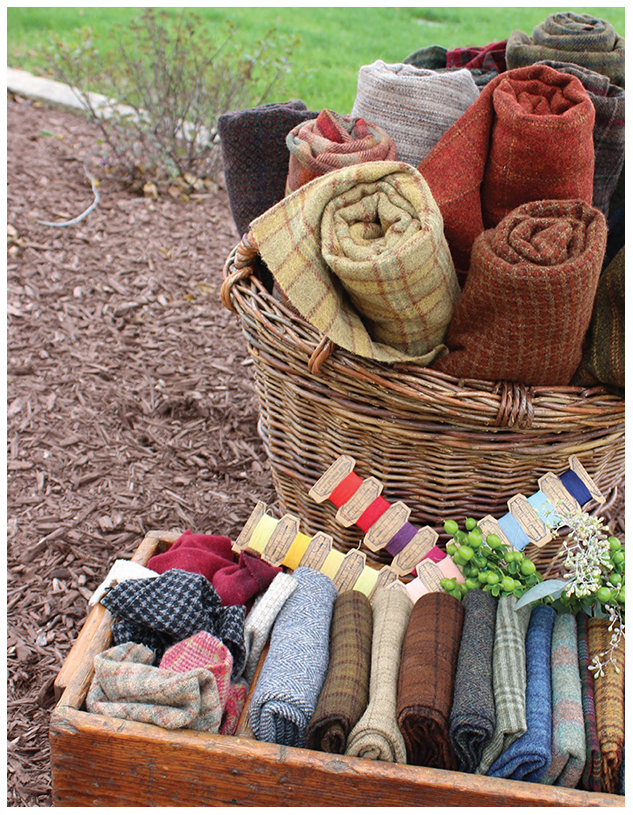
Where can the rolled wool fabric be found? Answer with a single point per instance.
(609, 699)
(590, 780)
(427, 677)
(415, 106)
(485, 57)
(294, 670)
(508, 679)
(472, 718)
(331, 142)
(528, 758)
(528, 137)
(361, 254)
(527, 302)
(568, 725)
(570, 37)
(376, 735)
(345, 693)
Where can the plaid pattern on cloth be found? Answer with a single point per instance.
(345, 692)
(568, 725)
(361, 254)
(127, 686)
(508, 679)
(331, 142)
(427, 677)
(529, 119)
(433, 57)
(590, 779)
(528, 298)
(490, 57)
(570, 37)
(376, 735)
(172, 607)
(609, 699)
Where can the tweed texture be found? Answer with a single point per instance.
(331, 142)
(121, 570)
(345, 693)
(294, 670)
(603, 360)
(528, 298)
(609, 699)
(529, 119)
(431, 57)
(472, 718)
(590, 780)
(159, 611)
(126, 686)
(235, 702)
(261, 618)
(508, 679)
(490, 57)
(376, 735)
(415, 106)
(427, 677)
(528, 758)
(568, 725)
(361, 254)
(570, 37)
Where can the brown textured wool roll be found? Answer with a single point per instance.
(345, 692)
(427, 677)
(528, 298)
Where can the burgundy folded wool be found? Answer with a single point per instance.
(528, 137)
(527, 302)
(331, 142)
(426, 679)
(490, 57)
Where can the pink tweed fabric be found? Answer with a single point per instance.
(235, 702)
(201, 651)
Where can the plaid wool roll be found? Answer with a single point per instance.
(590, 779)
(415, 106)
(331, 142)
(431, 57)
(427, 677)
(527, 302)
(345, 692)
(361, 254)
(528, 137)
(609, 699)
(472, 719)
(376, 735)
(490, 57)
(570, 37)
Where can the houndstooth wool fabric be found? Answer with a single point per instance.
(415, 106)
(591, 773)
(570, 37)
(294, 670)
(527, 302)
(169, 608)
(508, 679)
(361, 254)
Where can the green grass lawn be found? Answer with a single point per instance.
(335, 42)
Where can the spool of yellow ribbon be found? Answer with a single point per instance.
(332, 563)
(297, 551)
(366, 581)
(262, 533)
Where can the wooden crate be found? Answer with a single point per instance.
(102, 761)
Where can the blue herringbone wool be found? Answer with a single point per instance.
(294, 670)
(530, 755)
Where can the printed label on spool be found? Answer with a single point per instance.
(351, 511)
(350, 570)
(382, 531)
(281, 540)
(554, 490)
(527, 516)
(331, 478)
(490, 526)
(247, 531)
(386, 577)
(586, 479)
(430, 575)
(418, 547)
(318, 549)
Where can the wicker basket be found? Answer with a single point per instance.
(448, 448)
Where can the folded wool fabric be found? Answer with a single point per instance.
(590, 779)
(528, 758)
(508, 679)
(568, 724)
(235, 702)
(432, 57)
(159, 611)
(127, 686)
(527, 301)
(331, 142)
(260, 620)
(490, 57)
(570, 37)
(345, 692)
(472, 718)
(609, 700)
(294, 670)
(360, 253)
(528, 137)
(119, 571)
(415, 106)
(427, 677)
(376, 735)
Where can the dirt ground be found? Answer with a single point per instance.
(130, 400)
